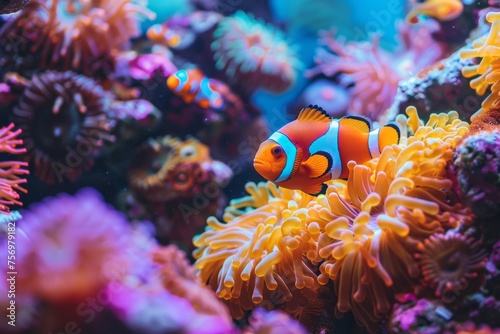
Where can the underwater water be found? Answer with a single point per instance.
(237, 166)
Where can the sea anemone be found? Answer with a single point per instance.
(370, 224)
(179, 278)
(64, 122)
(273, 322)
(75, 247)
(486, 47)
(75, 34)
(476, 163)
(450, 264)
(254, 54)
(374, 72)
(10, 6)
(11, 172)
(261, 255)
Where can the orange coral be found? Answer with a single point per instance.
(486, 47)
(261, 255)
(370, 225)
(11, 172)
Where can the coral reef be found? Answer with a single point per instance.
(64, 121)
(253, 53)
(77, 35)
(476, 163)
(12, 173)
(374, 71)
(438, 88)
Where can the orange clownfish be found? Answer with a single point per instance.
(315, 148)
(442, 10)
(193, 86)
(161, 33)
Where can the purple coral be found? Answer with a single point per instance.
(153, 310)
(75, 247)
(11, 6)
(273, 322)
(146, 66)
(423, 316)
(493, 269)
(476, 163)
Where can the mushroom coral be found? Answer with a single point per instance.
(371, 224)
(75, 34)
(488, 49)
(261, 254)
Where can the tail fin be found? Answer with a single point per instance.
(389, 134)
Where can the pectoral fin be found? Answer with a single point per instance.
(315, 189)
(317, 165)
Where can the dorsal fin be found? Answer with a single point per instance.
(389, 134)
(314, 113)
(357, 122)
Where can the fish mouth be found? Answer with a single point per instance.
(261, 166)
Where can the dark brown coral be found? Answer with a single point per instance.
(451, 263)
(64, 122)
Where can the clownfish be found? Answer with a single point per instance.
(160, 33)
(442, 10)
(193, 86)
(315, 148)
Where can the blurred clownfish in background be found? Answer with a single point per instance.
(441, 10)
(193, 86)
(315, 148)
(162, 34)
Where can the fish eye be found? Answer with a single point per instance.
(276, 151)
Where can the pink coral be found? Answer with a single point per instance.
(273, 322)
(374, 71)
(75, 247)
(11, 172)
